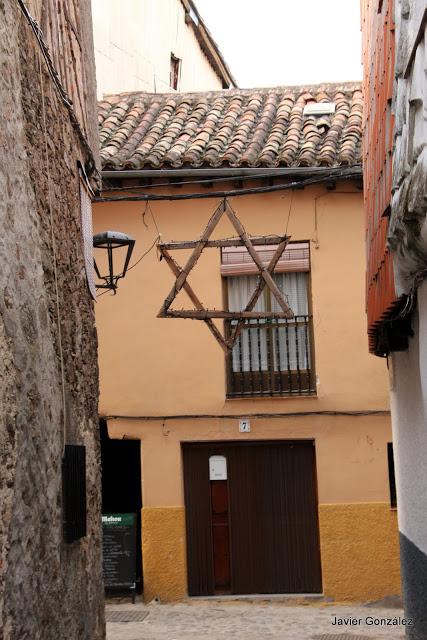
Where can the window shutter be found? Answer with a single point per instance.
(74, 492)
(236, 261)
(86, 213)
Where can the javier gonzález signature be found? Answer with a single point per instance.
(371, 621)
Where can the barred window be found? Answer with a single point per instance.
(270, 357)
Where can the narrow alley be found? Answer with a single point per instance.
(250, 620)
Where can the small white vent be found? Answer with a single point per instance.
(319, 108)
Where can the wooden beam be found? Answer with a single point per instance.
(176, 269)
(259, 288)
(194, 257)
(255, 257)
(228, 242)
(265, 277)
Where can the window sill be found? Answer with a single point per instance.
(295, 396)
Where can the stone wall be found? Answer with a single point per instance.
(408, 228)
(48, 590)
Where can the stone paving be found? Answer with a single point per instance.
(249, 620)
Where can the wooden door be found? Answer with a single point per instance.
(271, 518)
(274, 522)
(200, 565)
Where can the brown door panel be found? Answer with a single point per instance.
(220, 535)
(265, 525)
(200, 564)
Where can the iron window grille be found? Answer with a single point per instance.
(272, 358)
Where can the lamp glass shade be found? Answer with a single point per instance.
(113, 264)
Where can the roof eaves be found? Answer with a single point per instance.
(348, 86)
(208, 45)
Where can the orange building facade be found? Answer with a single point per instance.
(265, 470)
(378, 60)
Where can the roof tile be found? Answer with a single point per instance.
(242, 127)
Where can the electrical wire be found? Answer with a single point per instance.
(104, 292)
(146, 253)
(289, 213)
(226, 194)
(154, 220)
(135, 263)
(231, 416)
(411, 296)
(55, 262)
(155, 241)
(85, 179)
(65, 99)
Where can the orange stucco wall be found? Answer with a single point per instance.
(351, 452)
(157, 368)
(358, 529)
(152, 366)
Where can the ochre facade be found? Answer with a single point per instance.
(358, 529)
(359, 550)
(164, 555)
(163, 381)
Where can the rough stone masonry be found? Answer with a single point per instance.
(48, 590)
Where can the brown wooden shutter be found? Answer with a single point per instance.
(74, 492)
(200, 562)
(236, 261)
(273, 514)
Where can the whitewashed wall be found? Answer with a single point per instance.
(133, 43)
(409, 419)
(408, 240)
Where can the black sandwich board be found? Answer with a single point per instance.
(119, 551)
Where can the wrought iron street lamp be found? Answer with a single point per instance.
(110, 241)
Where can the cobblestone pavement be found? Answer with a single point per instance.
(248, 620)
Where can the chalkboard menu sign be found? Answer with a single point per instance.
(119, 550)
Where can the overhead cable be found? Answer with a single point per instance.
(176, 181)
(63, 95)
(232, 416)
(299, 184)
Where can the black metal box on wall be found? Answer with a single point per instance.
(74, 492)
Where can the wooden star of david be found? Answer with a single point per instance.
(264, 279)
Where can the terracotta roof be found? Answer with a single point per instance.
(236, 128)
